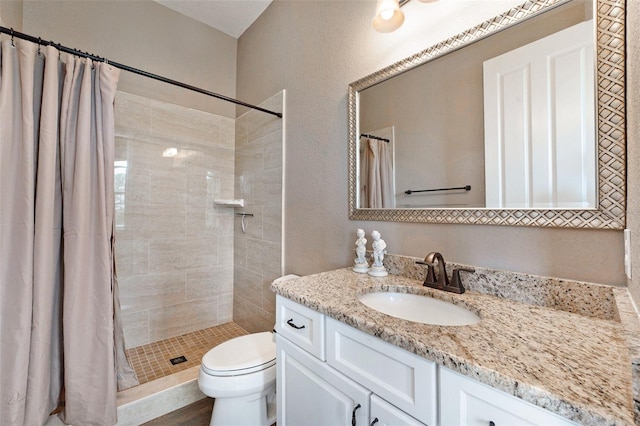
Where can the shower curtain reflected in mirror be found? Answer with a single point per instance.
(376, 174)
(62, 344)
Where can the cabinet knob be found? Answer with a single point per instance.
(492, 423)
(297, 327)
(374, 421)
(353, 415)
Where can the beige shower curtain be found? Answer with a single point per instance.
(61, 340)
(376, 174)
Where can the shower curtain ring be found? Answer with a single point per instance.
(39, 44)
(12, 43)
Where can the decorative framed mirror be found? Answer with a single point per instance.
(502, 132)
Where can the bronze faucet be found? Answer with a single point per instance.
(440, 280)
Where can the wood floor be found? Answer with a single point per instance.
(196, 414)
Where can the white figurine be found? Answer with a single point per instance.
(379, 250)
(360, 261)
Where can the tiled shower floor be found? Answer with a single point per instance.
(152, 361)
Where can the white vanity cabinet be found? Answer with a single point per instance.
(464, 401)
(329, 373)
(364, 379)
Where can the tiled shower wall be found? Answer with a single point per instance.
(174, 248)
(258, 252)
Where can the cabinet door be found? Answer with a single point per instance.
(385, 414)
(310, 393)
(406, 380)
(466, 402)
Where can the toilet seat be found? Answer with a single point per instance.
(241, 355)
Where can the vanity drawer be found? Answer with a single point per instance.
(301, 325)
(398, 376)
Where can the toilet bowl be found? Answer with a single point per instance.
(241, 375)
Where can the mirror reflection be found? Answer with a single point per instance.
(508, 121)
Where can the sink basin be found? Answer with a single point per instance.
(416, 308)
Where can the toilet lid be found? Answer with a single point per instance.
(241, 355)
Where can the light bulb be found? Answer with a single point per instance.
(386, 14)
(388, 17)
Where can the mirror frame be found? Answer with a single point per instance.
(611, 128)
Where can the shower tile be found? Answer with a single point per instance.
(265, 258)
(252, 318)
(212, 158)
(227, 133)
(242, 135)
(225, 250)
(268, 297)
(248, 286)
(250, 159)
(136, 187)
(168, 187)
(132, 257)
(152, 291)
(225, 307)
(208, 282)
(240, 251)
(203, 186)
(269, 187)
(205, 222)
(246, 187)
(272, 223)
(183, 318)
(152, 222)
(261, 124)
(132, 114)
(183, 124)
(272, 150)
(181, 254)
(135, 326)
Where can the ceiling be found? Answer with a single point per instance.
(232, 17)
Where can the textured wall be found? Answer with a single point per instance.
(258, 252)
(314, 49)
(143, 34)
(11, 14)
(174, 248)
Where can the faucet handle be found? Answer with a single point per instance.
(430, 279)
(456, 282)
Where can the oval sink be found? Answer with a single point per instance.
(423, 309)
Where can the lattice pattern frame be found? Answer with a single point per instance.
(611, 128)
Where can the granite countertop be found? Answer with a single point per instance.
(577, 366)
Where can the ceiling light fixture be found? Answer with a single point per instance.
(388, 17)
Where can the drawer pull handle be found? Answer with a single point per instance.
(297, 327)
(374, 421)
(353, 415)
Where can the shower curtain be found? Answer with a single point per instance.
(376, 176)
(61, 340)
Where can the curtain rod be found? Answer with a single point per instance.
(366, 135)
(82, 54)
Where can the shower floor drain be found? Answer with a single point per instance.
(178, 360)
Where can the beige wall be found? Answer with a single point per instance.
(141, 34)
(11, 14)
(314, 49)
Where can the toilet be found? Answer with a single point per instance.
(241, 375)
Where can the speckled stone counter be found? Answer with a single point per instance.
(578, 366)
